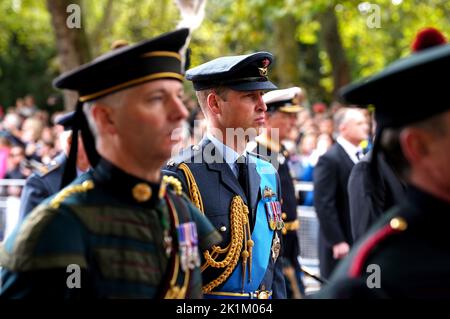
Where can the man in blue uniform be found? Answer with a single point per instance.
(238, 191)
(41, 185)
(406, 253)
(117, 231)
(282, 109)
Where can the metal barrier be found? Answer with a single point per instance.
(9, 207)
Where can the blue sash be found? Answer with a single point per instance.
(262, 237)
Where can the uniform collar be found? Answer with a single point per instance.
(131, 188)
(229, 155)
(426, 202)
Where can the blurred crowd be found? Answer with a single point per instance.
(29, 140)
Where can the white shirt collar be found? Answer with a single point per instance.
(349, 148)
(229, 155)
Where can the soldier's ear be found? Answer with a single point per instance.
(213, 103)
(104, 118)
(415, 144)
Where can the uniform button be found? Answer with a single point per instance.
(142, 192)
(398, 223)
(223, 229)
(195, 147)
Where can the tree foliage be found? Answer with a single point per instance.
(291, 29)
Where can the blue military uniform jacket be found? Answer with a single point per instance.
(218, 188)
(41, 185)
(129, 239)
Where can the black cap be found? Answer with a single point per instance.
(240, 73)
(11, 138)
(408, 90)
(286, 100)
(127, 66)
(124, 67)
(66, 120)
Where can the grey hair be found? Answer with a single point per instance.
(112, 100)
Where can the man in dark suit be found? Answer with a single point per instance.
(330, 188)
(238, 191)
(281, 118)
(371, 193)
(42, 184)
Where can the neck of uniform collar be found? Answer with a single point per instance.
(426, 202)
(133, 189)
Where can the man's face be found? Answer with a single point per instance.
(284, 122)
(148, 118)
(242, 109)
(357, 128)
(437, 158)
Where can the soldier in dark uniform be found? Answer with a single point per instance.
(238, 191)
(281, 119)
(117, 231)
(406, 252)
(44, 183)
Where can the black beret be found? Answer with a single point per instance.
(409, 90)
(66, 120)
(127, 66)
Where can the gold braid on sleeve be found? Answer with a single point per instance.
(194, 192)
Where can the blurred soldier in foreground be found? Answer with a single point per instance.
(406, 253)
(117, 231)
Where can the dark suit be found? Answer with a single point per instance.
(218, 186)
(39, 186)
(371, 193)
(331, 203)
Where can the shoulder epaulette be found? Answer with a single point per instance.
(174, 184)
(396, 225)
(70, 190)
(47, 169)
(184, 156)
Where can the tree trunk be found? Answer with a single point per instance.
(72, 44)
(286, 51)
(333, 46)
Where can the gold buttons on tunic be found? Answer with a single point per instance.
(142, 192)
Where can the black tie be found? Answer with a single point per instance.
(242, 174)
